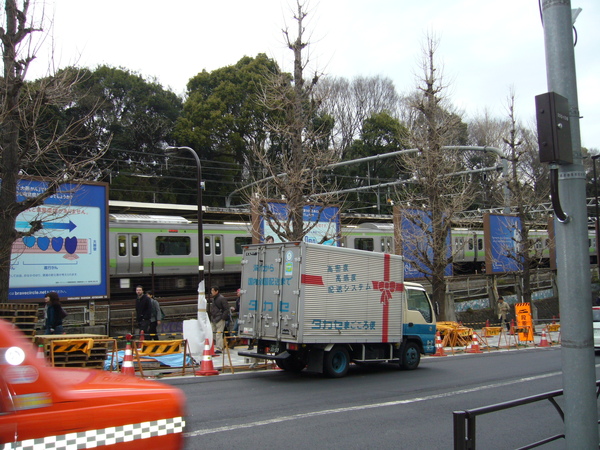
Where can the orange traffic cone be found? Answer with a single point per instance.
(487, 323)
(40, 352)
(439, 347)
(206, 366)
(127, 366)
(474, 347)
(544, 340)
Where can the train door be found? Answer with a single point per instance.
(214, 252)
(129, 253)
(459, 248)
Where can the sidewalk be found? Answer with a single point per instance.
(230, 362)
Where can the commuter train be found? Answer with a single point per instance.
(161, 252)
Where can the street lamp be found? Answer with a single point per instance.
(594, 158)
(199, 202)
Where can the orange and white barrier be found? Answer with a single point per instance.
(439, 346)
(474, 346)
(206, 366)
(544, 340)
(41, 354)
(127, 366)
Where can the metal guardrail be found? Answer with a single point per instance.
(465, 428)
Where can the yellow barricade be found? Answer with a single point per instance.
(72, 345)
(158, 348)
(554, 327)
(491, 331)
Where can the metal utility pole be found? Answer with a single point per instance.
(574, 284)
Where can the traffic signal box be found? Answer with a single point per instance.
(554, 129)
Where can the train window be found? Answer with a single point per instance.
(479, 244)
(122, 243)
(173, 245)
(470, 244)
(364, 244)
(240, 242)
(207, 246)
(217, 245)
(417, 301)
(135, 246)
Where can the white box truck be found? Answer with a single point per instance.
(321, 307)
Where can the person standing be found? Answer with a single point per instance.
(155, 317)
(219, 313)
(54, 314)
(503, 312)
(143, 310)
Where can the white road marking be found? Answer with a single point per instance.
(364, 407)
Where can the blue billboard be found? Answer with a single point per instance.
(416, 237)
(326, 221)
(502, 235)
(69, 254)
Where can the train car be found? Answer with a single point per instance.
(162, 252)
(468, 245)
(373, 237)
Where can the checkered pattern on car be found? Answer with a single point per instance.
(106, 436)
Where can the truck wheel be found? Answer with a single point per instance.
(410, 356)
(336, 362)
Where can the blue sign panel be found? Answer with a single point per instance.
(69, 254)
(502, 242)
(327, 218)
(415, 229)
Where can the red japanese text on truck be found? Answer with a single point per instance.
(321, 307)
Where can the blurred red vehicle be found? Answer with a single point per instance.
(47, 407)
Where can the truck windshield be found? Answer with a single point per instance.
(417, 301)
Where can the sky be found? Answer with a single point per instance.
(486, 47)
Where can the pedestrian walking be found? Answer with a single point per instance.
(219, 313)
(503, 313)
(54, 314)
(143, 310)
(156, 316)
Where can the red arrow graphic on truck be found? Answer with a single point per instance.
(386, 287)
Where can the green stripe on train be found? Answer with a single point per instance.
(184, 261)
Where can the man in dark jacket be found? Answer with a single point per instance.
(219, 313)
(143, 310)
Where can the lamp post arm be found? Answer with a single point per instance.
(199, 216)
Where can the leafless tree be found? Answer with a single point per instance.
(31, 136)
(429, 200)
(352, 102)
(298, 145)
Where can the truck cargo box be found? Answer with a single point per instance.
(309, 293)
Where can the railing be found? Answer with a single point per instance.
(465, 429)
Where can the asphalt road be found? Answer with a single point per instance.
(377, 407)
